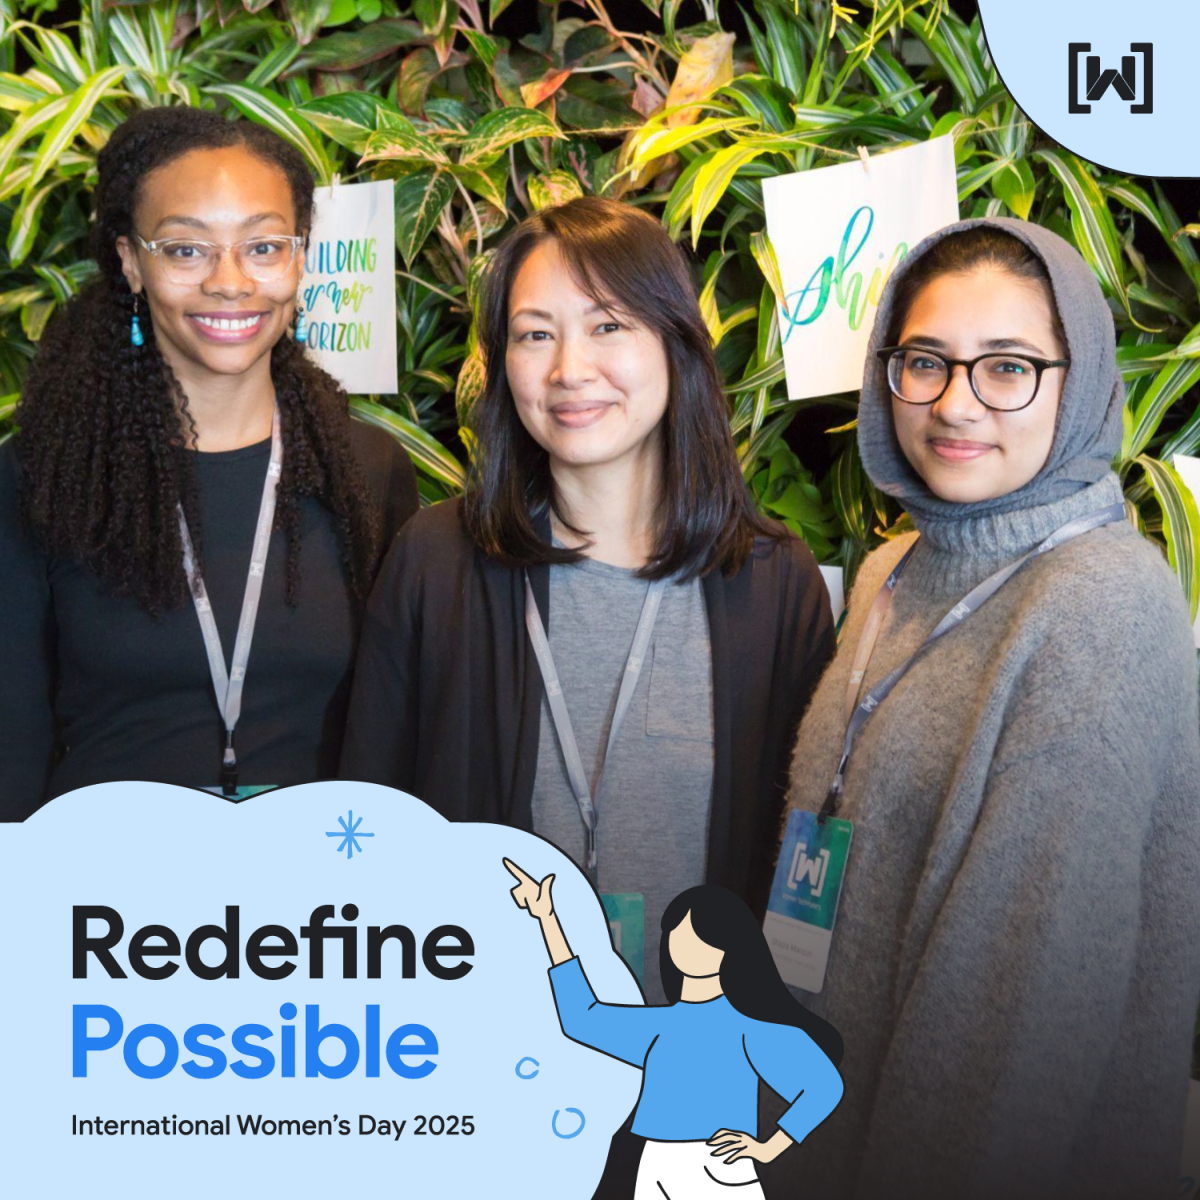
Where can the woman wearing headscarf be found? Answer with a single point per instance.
(1015, 962)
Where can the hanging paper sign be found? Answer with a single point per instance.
(349, 286)
(838, 234)
(835, 582)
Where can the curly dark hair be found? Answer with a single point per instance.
(103, 427)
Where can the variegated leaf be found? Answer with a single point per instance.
(1181, 525)
(659, 138)
(1170, 383)
(403, 144)
(1091, 223)
(768, 264)
(427, 453)
(493, 134)
(26, 221)
(269, 109)
(554, 187)
(36, 116)
(712, 181)
(420, 199)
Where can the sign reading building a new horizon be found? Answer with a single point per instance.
(349, 286)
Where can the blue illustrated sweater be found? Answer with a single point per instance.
(702, 1062)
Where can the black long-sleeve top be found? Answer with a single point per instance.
(93, 689)
(447, 695)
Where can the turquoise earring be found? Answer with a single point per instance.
(301, 334)
(135, 328)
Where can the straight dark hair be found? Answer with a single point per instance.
(749, 977)
(958, 253)
(625, 260)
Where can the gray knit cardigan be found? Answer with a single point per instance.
(1016, 963)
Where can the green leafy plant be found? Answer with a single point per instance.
(478, 130)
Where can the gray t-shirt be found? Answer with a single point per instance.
(656, 794)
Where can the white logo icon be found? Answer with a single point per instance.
(810, 871)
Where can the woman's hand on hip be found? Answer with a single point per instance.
(737, 1145)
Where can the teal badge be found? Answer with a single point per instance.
(804, 897)
(626, 913)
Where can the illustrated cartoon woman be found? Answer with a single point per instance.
(730, 1022)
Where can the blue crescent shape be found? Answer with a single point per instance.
(567, 1136)
(524, 1060)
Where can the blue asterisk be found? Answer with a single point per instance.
(349, 835)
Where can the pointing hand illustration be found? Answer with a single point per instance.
(530, 894)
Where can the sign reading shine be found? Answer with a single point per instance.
(839, 233)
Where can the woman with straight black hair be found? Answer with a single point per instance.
(606, 503)
(749, 977)
(185, 485)
(729, 1022)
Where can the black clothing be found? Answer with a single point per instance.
(94, 689)
(447, 696)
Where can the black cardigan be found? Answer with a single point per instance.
(447, 693)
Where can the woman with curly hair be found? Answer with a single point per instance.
(185, 484)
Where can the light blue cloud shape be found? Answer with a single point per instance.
(1030, 43)
(176, 857)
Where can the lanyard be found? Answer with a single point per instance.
(585, 795)
(227, 685)
(860, 712)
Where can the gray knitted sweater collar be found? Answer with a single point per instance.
(1078, 474)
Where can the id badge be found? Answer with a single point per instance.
(626, 913)
(804, 897)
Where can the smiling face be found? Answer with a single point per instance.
(963, 450)
(227, 323)
(590, 383)
(695, 958)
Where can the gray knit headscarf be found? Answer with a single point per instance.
(1089, 426)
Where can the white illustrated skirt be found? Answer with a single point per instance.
(688, 1171)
